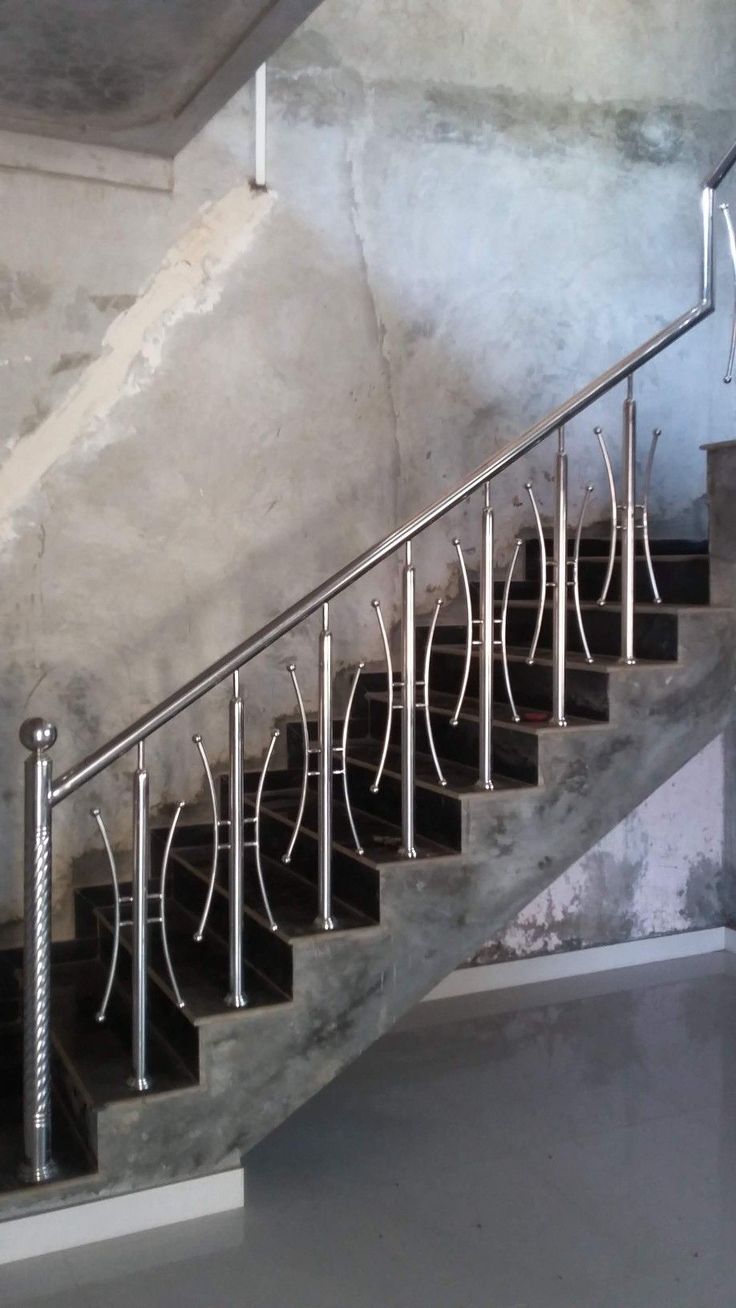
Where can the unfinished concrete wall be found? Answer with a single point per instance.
(213, 398)
(659, 872)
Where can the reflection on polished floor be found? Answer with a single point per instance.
(567, 1145)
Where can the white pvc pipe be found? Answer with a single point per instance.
(260, 125)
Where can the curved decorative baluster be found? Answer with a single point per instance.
(197, 740)
(101, 1013)
(344, 752)
(575, 583)
(598, 432)
(725, 210)
(256, 822)
(390, 687)
(468, 634)
(645, 515)
(427, 717)
(502, 629)
(286, 858)
(542, 573)
(164, 932)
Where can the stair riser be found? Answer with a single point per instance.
(165, 1018)
(438, 816)
(655, 633)
(681, 581)
(598, 546)
(352, 880)
(11, 1057)
(587, 688)
(357, 885)
(73, 1104)
(262, 949)
(514, 753)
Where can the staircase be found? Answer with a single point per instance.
(270, 937)
(222, 1079)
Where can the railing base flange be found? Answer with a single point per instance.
(139, 1083)
(31, 1175)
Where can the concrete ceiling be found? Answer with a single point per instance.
(139, 74)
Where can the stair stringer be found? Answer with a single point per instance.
(259, 1067)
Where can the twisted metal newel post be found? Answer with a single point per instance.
(37, 736)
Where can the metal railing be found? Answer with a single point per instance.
(557, 574)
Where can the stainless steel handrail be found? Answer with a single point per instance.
(38, 736)
(224, 667)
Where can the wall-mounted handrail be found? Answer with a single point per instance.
(224, 667)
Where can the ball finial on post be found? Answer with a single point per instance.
(37, 734)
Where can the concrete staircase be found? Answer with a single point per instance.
(223, 1079)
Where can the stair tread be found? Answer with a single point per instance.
(96, 1054)
(640, 555)
(380, 839)
(664, 558)
(679, 545)
(445, 703)
(574, 659)
(203, 988)
(614, 606)
(459, 777)
(291, 896)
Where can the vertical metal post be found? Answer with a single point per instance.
(324, 920)
(139, 1079)
(260, 126)
(559, 608)
(628, 525)
(486, 642)
(236, 997)
(37, 736)
(408, 704)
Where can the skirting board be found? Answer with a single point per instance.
(580, 962)
(104, 1219)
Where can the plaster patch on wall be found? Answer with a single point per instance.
(658, 871)
(190, 280)
(22, 294)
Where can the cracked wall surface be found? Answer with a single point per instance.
(214, 397)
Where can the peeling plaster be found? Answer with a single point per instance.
(659, 871)
(355, 144)
(189, 281)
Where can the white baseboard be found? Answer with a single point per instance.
(580, 962)
(104, 1219)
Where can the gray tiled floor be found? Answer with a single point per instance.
(565, 1146)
